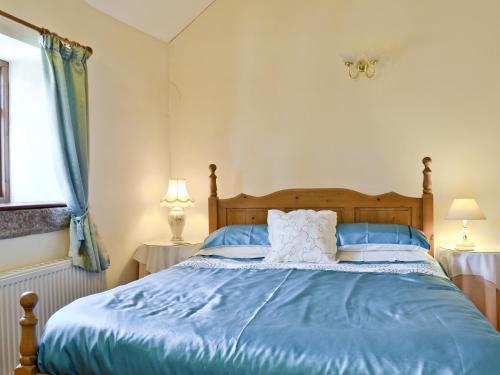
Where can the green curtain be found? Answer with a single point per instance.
(65, 72)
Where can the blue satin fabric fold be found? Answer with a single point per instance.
(238, 235)
(364, 233)
(277, 321)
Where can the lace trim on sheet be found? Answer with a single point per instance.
(425, 268)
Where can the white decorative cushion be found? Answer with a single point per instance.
(302, 236)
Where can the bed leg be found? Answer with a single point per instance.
(29, 345)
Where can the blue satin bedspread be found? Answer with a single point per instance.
(276, 321)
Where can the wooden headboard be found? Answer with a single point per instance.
(351, 206)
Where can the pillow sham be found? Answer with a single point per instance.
(238, 235)
(252, 240)
(381, 235)
(383, 256)
(380, 247)
(302, 236)
(236, 252)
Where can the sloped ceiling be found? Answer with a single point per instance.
(163, 19)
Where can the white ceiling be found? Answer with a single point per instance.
(163, 19)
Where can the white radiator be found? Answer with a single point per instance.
(57, 283)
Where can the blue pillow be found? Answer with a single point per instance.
(238, 235)
(347, 234)
(366, 233)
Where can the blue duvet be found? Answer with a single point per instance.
(272, 321)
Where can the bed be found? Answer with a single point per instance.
(212, 315)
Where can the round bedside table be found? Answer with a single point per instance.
(477, 274)
(155, 256)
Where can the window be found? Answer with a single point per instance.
(30, 190)
(32, 161)
(4, 132)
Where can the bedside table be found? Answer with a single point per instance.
(155, 256)
(477, 273)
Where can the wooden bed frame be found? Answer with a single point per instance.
(351, 207)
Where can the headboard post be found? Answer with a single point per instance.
(428, 203)
(213, 200)
(427, 161)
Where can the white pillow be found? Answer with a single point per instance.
(238, 252)
(383, 256)
(380, 247)
(302, 236)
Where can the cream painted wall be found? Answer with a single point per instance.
(28, 250)
(128, 123)
(259, 87)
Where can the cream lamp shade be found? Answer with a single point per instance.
(177, 198)
(177, 195)
(465, 209)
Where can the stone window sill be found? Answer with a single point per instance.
(23, 219)
(29, 206)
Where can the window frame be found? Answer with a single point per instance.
(4, 133)
(21, 219)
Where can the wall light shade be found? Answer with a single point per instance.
(465, 209)
(177, 195)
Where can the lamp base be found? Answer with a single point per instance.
(466, 244)
(176, 220)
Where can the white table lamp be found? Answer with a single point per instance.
(465, 209)
(177, 198)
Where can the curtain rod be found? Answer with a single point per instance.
(41, 30)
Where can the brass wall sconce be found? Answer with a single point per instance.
(363, 65)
